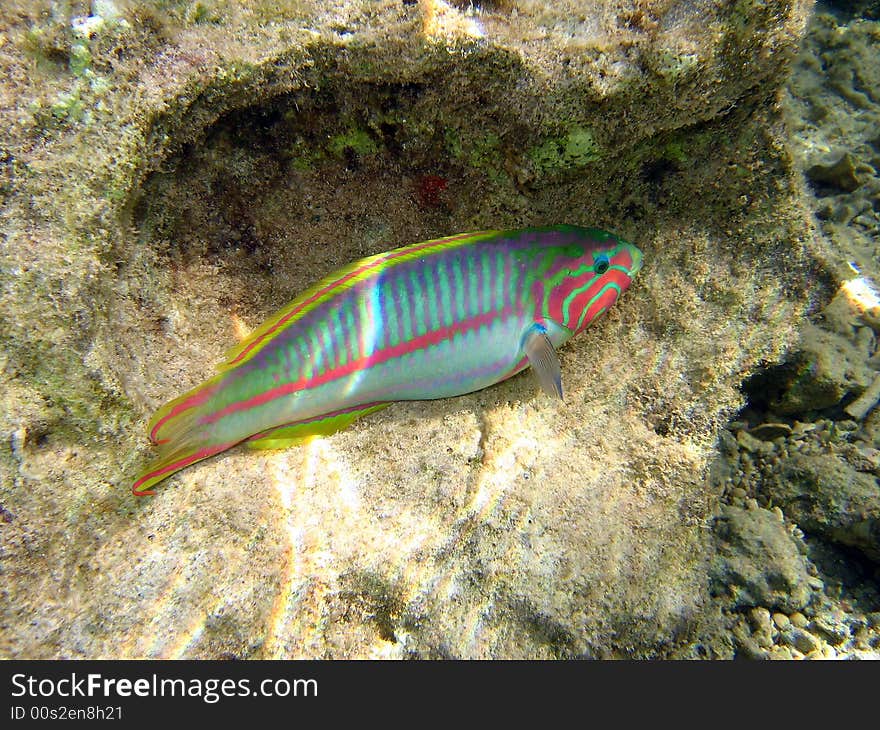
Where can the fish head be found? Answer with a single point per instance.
(589, 270)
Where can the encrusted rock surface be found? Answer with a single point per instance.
(806, 447)
(170, 178)
(758, 563)
(825, 495)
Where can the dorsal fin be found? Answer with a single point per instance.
(331, 285)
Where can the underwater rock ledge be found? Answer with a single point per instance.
(170, 179)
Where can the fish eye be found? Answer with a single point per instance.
(601, 265)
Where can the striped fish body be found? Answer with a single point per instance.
(431, 320)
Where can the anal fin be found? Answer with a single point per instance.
(290, 434)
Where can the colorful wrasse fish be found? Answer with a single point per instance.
(431, 320)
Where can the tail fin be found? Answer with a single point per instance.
(175, 417)
(173, 461)
(181, 439)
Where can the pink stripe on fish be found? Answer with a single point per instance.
(376, 358)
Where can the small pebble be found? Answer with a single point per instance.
(759, 617)
(781, 620)
(781, 652)
(798, 619)
(804, 641)
(746, 645)
(835, 632)
(762, 627)
(750, 649)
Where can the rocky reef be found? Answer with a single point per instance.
(172, 172)
(799, 535)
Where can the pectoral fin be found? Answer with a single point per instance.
(543, 360)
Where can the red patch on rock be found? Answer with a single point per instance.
(428, 190)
